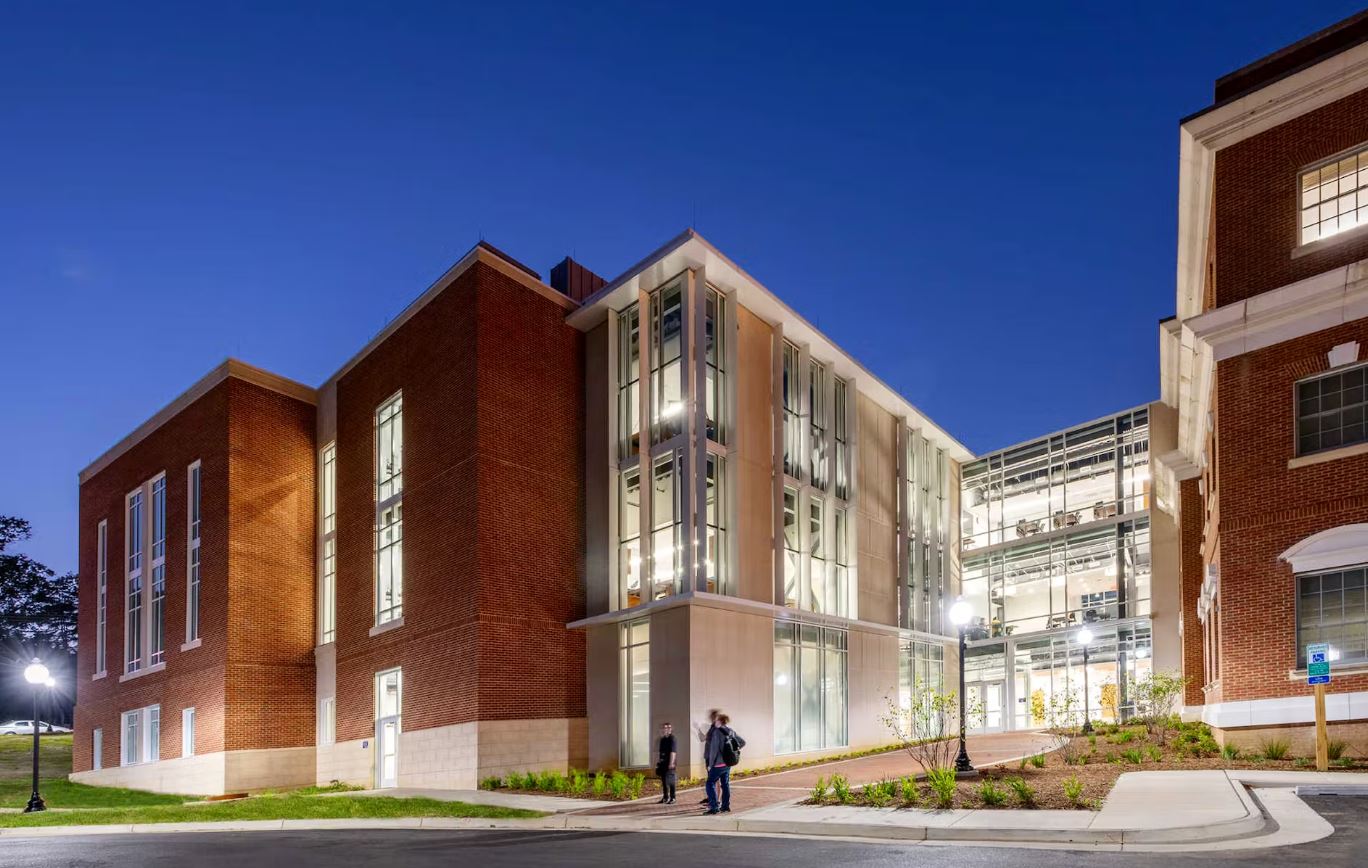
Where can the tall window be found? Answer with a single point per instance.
(667, 529)
(1331, 409)
(714, 321)
(327, 603)
(810, 688)
(101, 593)
(389, 511)
(838, 602)
(817, 437)
(716, 544)
(1332, 607)
(629, 536)
(188, 731)
(629, 382)
(327, 721)
(793, 425)
(157, 626)
(667, 365)
(840, 425)
(97, 748)
(132, 738)
(192, 553)
(133, 584)
(1334, 198)
(791, 549)
(635, 645)
(817, 556)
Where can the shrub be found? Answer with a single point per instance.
(991, 793)
(1024, 760)
(1038, 760)
(1125, 736)
(491, 783)
(1194, 739)
(1230, 753)
(579, 782)
(1025, 793)
(840, 788)
(1092, 740)
(1154, 753)
(880, 793)
(635, 785)
(910, 793)
(1276, 748)
(617, 785)
(1303, 762)
(1154, 696)
(1073, 790)
(1345, 762)
(600, 784)
(1133, 756)
(942, 782)
(550, 781)
(924, 727)
(1335, 748)
(819, 790)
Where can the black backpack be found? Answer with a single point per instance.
(731, 751)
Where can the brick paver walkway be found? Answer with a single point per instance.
(764, 790)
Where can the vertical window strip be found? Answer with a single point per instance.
(389, 515)
(630, 588)
(102, 594)
(157, 625)
(192, 554)
(792, 555)
(667, 555)
(816, 596)
(635, 694)
(714, 353)
(629, 382)
(328, 555)
(188, 731)
(818, 423)
(792, 414)
(667, 362)
(133, 583)
(840, 425)
(715, 549)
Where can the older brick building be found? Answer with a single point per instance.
(1265, 363)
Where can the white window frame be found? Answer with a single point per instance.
(134, 570)
(327, 544)
(188, 731)
(1358, 152)
(327, 720)
(156, 621)
(97, 748)
(101, 597)
(389, 496)
(146, 743)
(194, 489)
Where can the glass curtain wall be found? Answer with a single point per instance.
(635, 743)
(1096, 575)
(810, 687)
(927, 498)
(1090, 473)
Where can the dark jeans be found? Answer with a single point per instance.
(667, 784)
(720, 775)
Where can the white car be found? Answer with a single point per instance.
(25, 727)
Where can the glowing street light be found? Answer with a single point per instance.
(960, 613)
(36, 674)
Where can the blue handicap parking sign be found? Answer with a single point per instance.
(1318, 679)
(1318, 657)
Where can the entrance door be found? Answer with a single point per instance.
(386, 752)
(986, 700)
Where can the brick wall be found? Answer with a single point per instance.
(1256, 189)
(197, 677)
(493, 452)
(1266, 507)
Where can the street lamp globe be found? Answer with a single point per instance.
(1084, 636)
(960, 612)
(36, 672)
(50, 683)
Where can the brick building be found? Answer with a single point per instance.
(1265, 364)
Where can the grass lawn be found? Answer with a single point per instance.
(108, 805)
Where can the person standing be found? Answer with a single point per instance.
(666, 764)
(721, 751)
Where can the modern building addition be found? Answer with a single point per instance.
(284, 584)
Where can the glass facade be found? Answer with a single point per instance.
(926, 479)
(1090, 473)
(810, 687)
(635, 695)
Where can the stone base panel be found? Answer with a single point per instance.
(459, 756)
(212, 774)
(1281, 711)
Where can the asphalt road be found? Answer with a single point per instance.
(496, 849)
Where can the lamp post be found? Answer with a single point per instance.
(1084, 637)
(37, 675)
(959, 616)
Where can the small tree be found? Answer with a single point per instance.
(1063, 717)
(1154, 697)
(926, 726)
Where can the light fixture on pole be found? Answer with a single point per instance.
(1084, 637)
(959, 616)
(37, 675)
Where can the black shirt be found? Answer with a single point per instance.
(667, 747)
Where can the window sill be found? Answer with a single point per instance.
(141, 672)
(98, 675)
(387, 626)
(192, 645)
(1355, 234)
(1356, 668)
(1327, 455)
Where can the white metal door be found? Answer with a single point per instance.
(386, 752)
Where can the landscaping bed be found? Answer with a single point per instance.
(1077, 775)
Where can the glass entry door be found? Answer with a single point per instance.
(386, 752)
(986, 705)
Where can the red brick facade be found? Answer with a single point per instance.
(255, 448)
(492, 381)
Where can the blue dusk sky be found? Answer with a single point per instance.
(977, 200)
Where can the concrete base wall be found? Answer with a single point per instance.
(212, 774)
(1302, 737)
(346, 762)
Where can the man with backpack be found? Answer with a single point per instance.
(721, 751)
